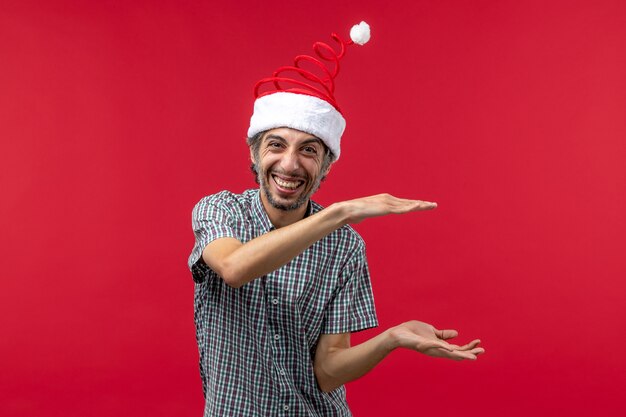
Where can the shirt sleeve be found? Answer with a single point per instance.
(209, 222)
(352, 308)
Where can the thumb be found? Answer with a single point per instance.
(434, 343)
(446, 334)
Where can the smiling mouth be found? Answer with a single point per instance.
(287, 185)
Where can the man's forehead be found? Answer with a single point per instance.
(291, 135)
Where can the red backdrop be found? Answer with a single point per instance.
(117, 116)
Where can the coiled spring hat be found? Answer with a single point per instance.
(304, 99)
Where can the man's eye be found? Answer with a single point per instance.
(310, 149)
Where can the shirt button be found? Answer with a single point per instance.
(275, 301)
(276, 336)
(285, 407)
(281, 372)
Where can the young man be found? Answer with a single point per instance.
(281, 283)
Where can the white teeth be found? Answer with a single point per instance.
(287, 184)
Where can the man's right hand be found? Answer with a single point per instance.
(380, 205)
(238, 263)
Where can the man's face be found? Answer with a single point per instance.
(289, 167)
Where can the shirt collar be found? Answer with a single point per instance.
(260, 215)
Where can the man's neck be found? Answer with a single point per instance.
(282, 218)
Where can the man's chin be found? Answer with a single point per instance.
(285, 203)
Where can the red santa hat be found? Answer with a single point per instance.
(304, 99)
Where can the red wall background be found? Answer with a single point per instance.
(117, 116)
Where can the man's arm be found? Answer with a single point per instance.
(238, 263)
(336, 363)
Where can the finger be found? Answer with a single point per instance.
(468, 354)
(461, 355)
(399, 207)
(393, 200)
(436, 344)
(454, 355)
(427, 205)
(406, 205)
(477, 351)
(422, 205)
(446, 334)
(470, 345)
(403, 204)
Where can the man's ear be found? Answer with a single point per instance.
(324, 174)
(252, 156)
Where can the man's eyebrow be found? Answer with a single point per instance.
(304, 142)
(312, 140)
(272, 136)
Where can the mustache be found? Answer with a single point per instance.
(297, 175)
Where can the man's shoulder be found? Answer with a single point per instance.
(226, 200)
(351, 239)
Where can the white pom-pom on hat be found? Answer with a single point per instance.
(360, 34)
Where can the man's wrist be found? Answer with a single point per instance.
(339, 213)
(389, 341)
(393, 339)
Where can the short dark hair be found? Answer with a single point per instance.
(254, 143)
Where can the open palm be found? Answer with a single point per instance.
(425, 338)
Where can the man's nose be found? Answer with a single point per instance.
(290, 161)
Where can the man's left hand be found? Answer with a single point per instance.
(425, 338)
